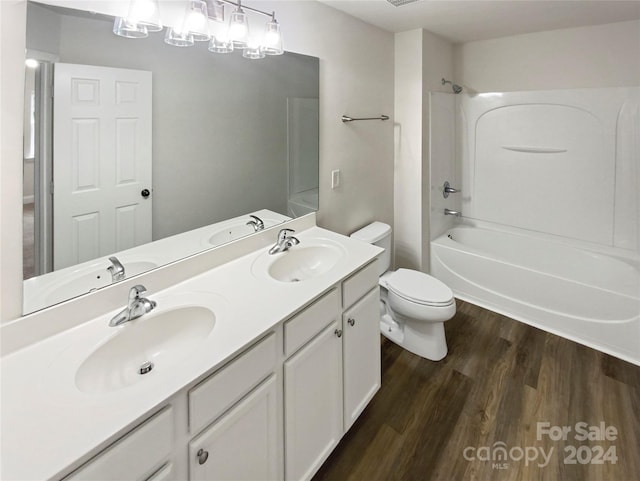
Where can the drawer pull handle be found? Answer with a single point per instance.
(338, 332)
(202, 456)
(351, 321)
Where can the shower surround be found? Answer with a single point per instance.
(550, 182)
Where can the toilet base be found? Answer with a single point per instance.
(425, 339)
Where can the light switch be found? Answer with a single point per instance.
(335, 179)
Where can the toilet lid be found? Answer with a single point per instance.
(419, 287)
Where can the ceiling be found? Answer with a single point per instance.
(466, 20)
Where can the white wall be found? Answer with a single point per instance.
(12, 45)
(356, 78)
(595, 56)
(408, 149)
(422, 59)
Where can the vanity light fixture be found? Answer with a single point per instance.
(143, 17)
(129, 29)
(178, 38)
(272, 44)
(196, 20)
(239, 27)
(216, 10)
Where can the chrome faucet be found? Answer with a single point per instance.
(285, 241)
(447, 189)
(256, 223)
(116, 269)
(136, 307)
(452, 212)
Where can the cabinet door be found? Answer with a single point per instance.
(361, 355)
(313, 403)
(243, 444)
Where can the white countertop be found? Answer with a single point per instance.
(48, 424)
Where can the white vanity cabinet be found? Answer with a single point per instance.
(336, 372)
(243, 444)
(241, 400)
(313, 403)
(361, 355)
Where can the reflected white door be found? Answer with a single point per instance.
(101, 161)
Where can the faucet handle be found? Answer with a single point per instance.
(135, 291)
(283, 233)
(256, 222)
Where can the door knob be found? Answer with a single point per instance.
(338, 332)
(145, 193)
(351, 321)
(202, 456)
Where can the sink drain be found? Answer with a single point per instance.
(145, 367)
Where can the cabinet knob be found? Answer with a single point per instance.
(351, 321)
(338, 332)
(202, 456)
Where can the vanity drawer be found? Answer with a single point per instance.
(136, 455)
(299, 329)
(360, 283)
(213, 396)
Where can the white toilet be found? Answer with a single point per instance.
(414, 305)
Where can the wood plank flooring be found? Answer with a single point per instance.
(500, 379)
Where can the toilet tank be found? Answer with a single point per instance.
(379, 234)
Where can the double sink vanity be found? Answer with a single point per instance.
(250, 365)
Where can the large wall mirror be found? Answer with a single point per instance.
(204, 141)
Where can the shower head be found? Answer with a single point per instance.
(455, 87)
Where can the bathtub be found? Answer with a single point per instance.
(586, 296)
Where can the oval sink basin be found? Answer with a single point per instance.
(144, 347)
(300, 263)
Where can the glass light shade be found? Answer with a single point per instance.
(146, 13)
(127, 29)
(220, 45)
(253, 53)
(178, 39)
(239, 29)
(272, 44)
(196, 20)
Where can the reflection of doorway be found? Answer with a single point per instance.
(101, 161)
(37, 164)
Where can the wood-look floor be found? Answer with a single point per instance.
(500, 379)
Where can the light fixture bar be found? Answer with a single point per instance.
(244, 7)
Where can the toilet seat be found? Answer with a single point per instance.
(414, 286)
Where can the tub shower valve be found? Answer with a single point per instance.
(447, 189)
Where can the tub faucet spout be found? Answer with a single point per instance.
(452, 212)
